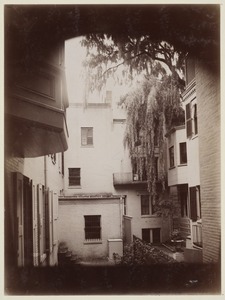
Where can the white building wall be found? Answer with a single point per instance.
(94, 161)
(179, 173)
(71, 224)
(98, 163)
(193, 161)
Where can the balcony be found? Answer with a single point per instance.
(128, 178)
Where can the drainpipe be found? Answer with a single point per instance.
(121, 216)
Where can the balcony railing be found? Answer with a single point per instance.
(127, 179)
(197, 234)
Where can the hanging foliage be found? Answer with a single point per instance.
(152, 109)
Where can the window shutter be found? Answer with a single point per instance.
(19, 218)
(190, 70)
(188, 120)
(41, 221)
(35, 227)
(195, 119)
(193, 204)
(49, 221)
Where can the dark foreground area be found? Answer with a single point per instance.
(114, 280)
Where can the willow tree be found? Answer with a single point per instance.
(152, 109)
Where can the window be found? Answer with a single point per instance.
(74, 176)
(188, 120)
(171, 154)
(151, 235)
(156, 236)
(190, 70)
(195, 203)
(183, 153)
(183, 196)
(87, 136)
(92, 227)
(195, 119)
(146, 205)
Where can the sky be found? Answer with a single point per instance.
(75, 54)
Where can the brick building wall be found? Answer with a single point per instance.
(208, 95)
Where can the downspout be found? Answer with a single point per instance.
(121, 217)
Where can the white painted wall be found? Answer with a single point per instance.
(98, 163)
(71, 224)
(94, 161)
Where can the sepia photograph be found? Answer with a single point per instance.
(112, 149)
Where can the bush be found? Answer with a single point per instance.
(141, 253)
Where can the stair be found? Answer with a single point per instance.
(65, 256)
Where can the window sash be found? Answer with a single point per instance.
(74, 176)
(86, 136)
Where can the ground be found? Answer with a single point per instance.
(81, 279)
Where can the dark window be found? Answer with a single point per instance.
(74, 176)
(92, 227)
(156, 236)
(193, 203)
(188, 120)
(183, 153)
(190, 70)
(86, 136)
(146, 235)
(195, 119)
(145, 209)
(171, 153)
